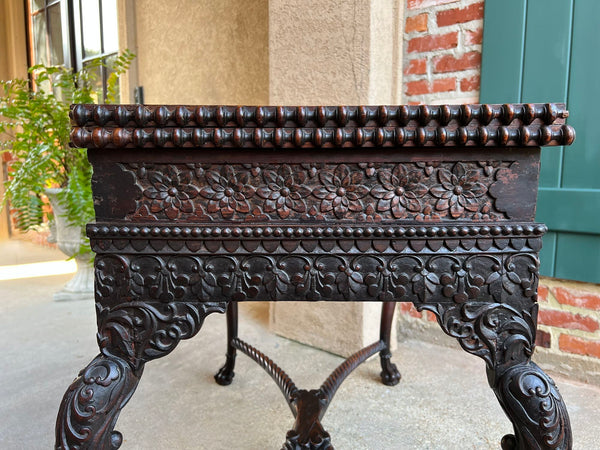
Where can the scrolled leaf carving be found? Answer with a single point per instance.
(535, 407)
(521, 274)
(503, 336)
(112, 277)
(140, 331)
(464, 279)
(454, 278)
(498, 333)
(92, 404)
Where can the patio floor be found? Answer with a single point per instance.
(442, 402)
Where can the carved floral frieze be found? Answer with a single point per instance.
(365, 192)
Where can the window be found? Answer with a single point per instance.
(74, 33)
(50, 39)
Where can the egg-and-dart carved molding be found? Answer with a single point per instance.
(367, 192)
(220, 278)
(148, 116)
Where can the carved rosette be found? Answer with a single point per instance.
(171, 193)
(448, 191)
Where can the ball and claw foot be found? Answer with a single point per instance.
(225, 375)
(292, 442)
(390, 376)
(509, 442)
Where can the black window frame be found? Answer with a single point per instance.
(72, 22)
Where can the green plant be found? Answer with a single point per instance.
(34, 128)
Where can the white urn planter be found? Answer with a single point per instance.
(68, 240)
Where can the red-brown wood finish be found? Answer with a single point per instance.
(199, 207)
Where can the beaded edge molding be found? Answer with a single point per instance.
(501, 136)
(141, 126)
(159, 116)
(99, 230)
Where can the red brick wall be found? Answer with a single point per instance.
(442, 64)
(568, 335)
(569, 318)
(442, 52)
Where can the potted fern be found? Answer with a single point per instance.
(34, 129)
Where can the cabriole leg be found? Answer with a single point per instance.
(129, 335)
(90, 407)
(533, 404)
(504, 337)
(390, 375)
(225, 374)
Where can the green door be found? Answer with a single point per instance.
(549, 51)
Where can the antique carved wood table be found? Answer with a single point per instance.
(200, 207)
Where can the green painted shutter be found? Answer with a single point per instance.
(548, 51)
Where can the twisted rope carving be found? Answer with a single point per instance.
(282, 379)
(333, 382)
(287, 386)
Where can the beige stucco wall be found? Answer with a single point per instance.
(333, 52)
(13, 64)
(290, 52)
(197, 51)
